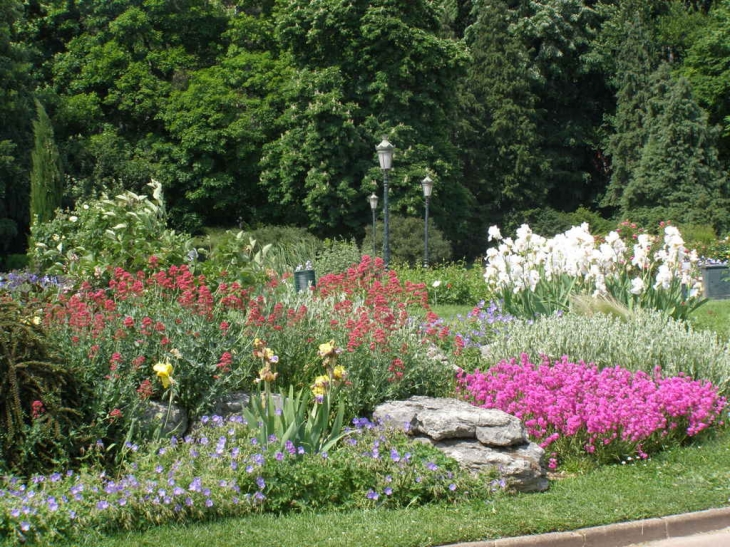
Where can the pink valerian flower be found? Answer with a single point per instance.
(224, 363)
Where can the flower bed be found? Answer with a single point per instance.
(610, 413)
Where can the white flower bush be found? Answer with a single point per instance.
(535, 275)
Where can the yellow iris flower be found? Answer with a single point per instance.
(164, 371)
(327, 348)
(339, 373)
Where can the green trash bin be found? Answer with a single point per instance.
(303, 279)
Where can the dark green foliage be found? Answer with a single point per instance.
(39, 397)
(502, 149)
(706, 62)
(407, 240)
(678, 176)
(16, 106)
(46, 179)
(548, 222)
(364, 70)
(631, 47)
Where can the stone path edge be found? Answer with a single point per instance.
(621, 534)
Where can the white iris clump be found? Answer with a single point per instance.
(521, 264)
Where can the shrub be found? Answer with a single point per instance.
(290, 246)
(610, 413)
(39, 396)
(238, 255)
(406, 241)
(644, 340)
(99, 235)
(336, 256)
(448, 283)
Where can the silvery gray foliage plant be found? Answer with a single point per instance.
(642, 341)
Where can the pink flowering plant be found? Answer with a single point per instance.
(574, 409)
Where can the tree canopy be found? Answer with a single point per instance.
(268, 111)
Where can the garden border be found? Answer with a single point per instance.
(621, 534)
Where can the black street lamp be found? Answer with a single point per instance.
(427, 185)
(385, 155)
(373, 199)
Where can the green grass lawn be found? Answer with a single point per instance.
(679, 480)
(713, 315)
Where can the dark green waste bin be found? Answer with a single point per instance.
(303, 279)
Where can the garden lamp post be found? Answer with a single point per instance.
(427, 185)
(385, 156)
(373, 199)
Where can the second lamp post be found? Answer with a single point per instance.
(427, 185)
(385, 156)
(373, 199)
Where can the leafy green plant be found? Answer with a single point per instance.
(407, 240)
(448, 282)
(296, 419)
(237, 254)
(99, 235)
(40, 396)
(336, 256)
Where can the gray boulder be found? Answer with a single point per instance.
(478, 439)
(169, 419)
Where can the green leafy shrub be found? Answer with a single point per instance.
(40, 397)
(102, 234)
(15, 262)
(642, 341)
(406, 241)
(238, 255)
(336, 256)
(448, 282)
(290, 246)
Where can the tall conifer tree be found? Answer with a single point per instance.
(46, 179)
(678, 176)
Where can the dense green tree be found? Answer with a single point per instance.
(706, 64)
(573, 95)
(503, 159)
(627, 44)
(46, 178)
(15, 132)
(678, 176)
(115, 77)
(365, 69)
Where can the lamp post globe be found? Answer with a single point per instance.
(385, 157)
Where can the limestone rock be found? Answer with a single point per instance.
(169, 419)
(478, 439)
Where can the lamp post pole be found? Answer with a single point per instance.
(385, 156)
(427, 185)
(373, 199)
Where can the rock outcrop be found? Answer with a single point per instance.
(479, 439)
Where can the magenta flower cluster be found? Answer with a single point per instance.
(608, 412)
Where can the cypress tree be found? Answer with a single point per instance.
(46, 178)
